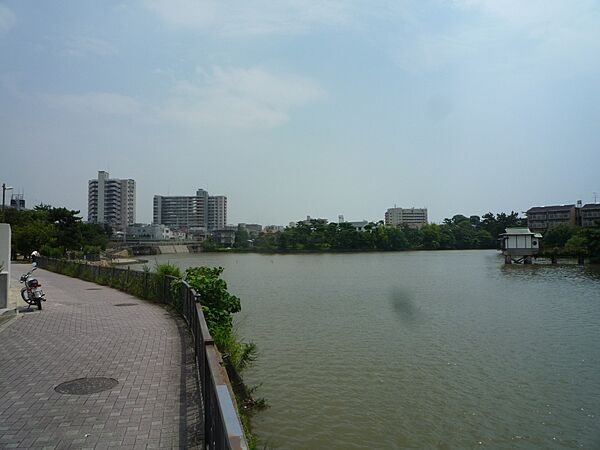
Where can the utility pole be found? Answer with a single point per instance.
(4, 189)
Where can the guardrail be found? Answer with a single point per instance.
(222, 425)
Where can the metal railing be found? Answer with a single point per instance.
(222, 425)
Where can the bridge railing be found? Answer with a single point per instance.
(222, 425)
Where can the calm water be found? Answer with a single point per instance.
(445, 350)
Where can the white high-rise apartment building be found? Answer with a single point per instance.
(111, 201)
(412, 217)
(191, 212)
(217, 212)
(181, 211)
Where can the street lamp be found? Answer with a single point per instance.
(4, 189)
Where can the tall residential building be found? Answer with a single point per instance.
(217, 212)
(199, 211)
(411, 217)
(111, 201)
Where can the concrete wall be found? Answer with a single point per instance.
(5, 261)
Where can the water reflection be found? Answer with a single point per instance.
(530, 272)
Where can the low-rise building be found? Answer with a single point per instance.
(540, 218)
(520, 244)
(272, 229)
(224, 237)
(590, 214)
(253, 229)
(358, 225)
(149, 232)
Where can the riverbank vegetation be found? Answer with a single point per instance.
(53, 232)
(459, 232)
(571, 241)
(219, 306)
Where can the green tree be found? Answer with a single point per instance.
(242, 238)
(431, 236)
(485, 239)
(558, 236)
(33, 236)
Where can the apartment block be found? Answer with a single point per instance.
(411, 217)
(217, 212)
(540, 218)
(590, 214)
(111, 201)
(195, 212)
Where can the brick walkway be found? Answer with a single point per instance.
(82, 333)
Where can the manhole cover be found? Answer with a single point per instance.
(93, 289)
(126, 304)
(84, 386)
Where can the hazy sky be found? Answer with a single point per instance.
(295, 107)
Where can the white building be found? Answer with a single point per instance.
(217, 212)
(111, 201)
(520, 244)
(358, 225)
(152, 232)
(411, 217)
(192, 212)
(181, 212)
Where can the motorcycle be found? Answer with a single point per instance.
(32, 291)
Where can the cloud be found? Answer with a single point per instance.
(86, 46)
(7, 19)
(239, 98)
(104, 103)
(499, 34)
(253, 18)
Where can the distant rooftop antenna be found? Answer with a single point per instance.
(595, 194)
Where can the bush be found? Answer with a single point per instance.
(168, 269)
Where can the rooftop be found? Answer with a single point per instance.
(519, 230)
(547, 208)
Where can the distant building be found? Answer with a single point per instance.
(272, 229)
(411, 217)
(590, 214)
(253, 229)
(181, 212)
(225, 236)
(540, 218)
(111, 201)
(149, 232)
(17, 201)
(357, 225)
(198, 212)
(217, 212)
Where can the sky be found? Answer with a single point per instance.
(294, 107)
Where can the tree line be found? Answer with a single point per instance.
(53, 232)
(459, 232)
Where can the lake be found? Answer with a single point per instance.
(423, 350)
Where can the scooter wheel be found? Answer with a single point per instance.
(24, 295)
(39, 303)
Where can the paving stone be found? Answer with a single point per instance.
(80, 333)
